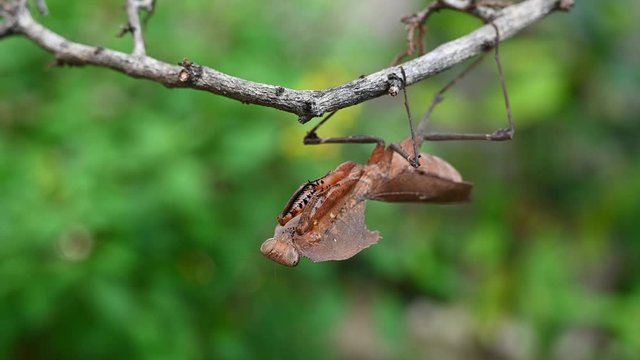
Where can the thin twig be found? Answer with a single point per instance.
(42, 7)
(416, 22)
(150, 9)
(305, 103)
(7, 14)
(134, 26)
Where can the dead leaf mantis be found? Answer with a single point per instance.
(324, 218)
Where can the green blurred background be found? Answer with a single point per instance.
(131, 215)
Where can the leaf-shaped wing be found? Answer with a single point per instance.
(435, 180)
(339, 235)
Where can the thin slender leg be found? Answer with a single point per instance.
(439, 97)
(498, 135)
(415, 161)
(312, 138)
(412, 160)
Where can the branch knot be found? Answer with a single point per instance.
(565, 5)
(190, 72)
(395, 84)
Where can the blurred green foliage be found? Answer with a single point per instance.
(131, 214)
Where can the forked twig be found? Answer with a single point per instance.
(134, 26)
(416, 23)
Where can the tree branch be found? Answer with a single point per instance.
(304, 103)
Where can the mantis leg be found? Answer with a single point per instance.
(312, 138)
(498, 135)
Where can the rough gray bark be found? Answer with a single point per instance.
(304, 103)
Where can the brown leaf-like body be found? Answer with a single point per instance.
(331, 225)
